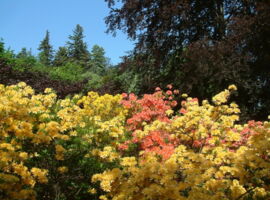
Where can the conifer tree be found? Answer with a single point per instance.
(61, 56)
(98, 60)
(77, 48)
(46, 50)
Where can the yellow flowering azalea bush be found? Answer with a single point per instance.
(18, 113)
(46, 144)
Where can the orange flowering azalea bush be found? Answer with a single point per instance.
(151, 147)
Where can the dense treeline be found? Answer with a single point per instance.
(70, 69)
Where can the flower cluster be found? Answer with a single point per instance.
(205, 155)
(43, 139)
(20, 109)
(135, 148)
(150, 109)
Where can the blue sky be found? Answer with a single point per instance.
(23, 23)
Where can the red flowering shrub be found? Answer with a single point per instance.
(158, 142)
(146, 110)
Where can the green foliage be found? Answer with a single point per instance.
(46, 50)
(61, 56)
(95, 81)
(75, 184)
(24, 60)
(23, 53)
(131, 81)
(2, 47)
(70, 72)
(40, 68)
(98, 62)
(77, 48)
(72, 64)
(6, 55)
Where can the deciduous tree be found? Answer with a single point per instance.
(200, 46)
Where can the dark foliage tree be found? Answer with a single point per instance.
(77, 48)
(163, 26)
(46, 50)
(241, 57)
(200, 46)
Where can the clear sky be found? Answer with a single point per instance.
(23, 23)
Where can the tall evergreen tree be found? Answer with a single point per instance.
(46, 50)
(98, 60)
(61, 56)
(77, 48)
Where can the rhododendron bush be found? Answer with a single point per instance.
(164, 145)
(45, 143)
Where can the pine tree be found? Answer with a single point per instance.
(61, 56)
(46, 50)
(77, 48)
(98, 60)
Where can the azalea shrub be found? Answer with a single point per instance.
(196, 152)
(164, 146)
(45, 143)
